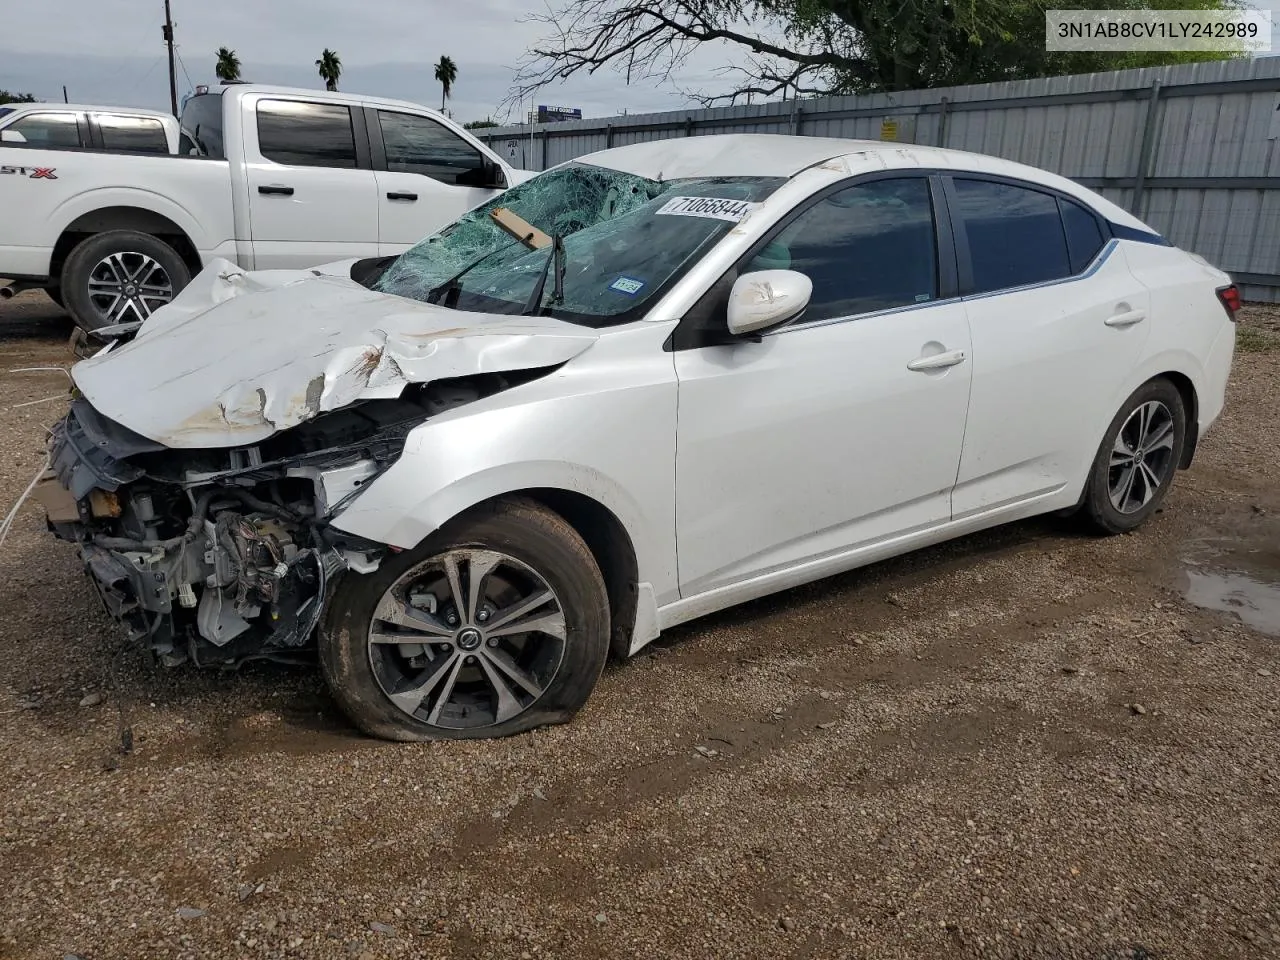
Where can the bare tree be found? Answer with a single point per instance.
(806, 47)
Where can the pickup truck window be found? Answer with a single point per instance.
(420, 145)
(136, 134)
(202, 127)
(302, 134)
(44, 130)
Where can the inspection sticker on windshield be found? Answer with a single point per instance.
(713, 208)
(627, 285)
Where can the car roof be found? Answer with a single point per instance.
(58, 107)
(779, 155)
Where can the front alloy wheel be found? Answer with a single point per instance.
(497, 623)
(471, 638)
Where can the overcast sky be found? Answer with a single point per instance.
(111, 51)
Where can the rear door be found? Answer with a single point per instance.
(427, 175)
(312, 193)
(1058, 321)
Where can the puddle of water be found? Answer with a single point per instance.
(1238, 576)
(1255, 602)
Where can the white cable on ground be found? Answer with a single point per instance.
(12, 515)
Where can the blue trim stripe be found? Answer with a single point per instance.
(1121, 232)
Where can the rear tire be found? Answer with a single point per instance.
(464, 669)
(1138, 457)
(120, 276)
(55, 294)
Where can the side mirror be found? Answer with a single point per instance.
(12, 136)
(767, 298)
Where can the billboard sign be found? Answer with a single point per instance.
(558, 114)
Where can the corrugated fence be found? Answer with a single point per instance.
(1190, 149)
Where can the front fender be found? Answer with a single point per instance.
(407, 523)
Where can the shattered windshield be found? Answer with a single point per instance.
(582, 243)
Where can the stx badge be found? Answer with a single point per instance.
(34, 173)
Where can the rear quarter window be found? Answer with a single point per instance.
(1084, 236)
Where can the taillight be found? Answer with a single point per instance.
(1230, 297)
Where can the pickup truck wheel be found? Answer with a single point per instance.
(495, 624)
(121, 276)
(55, 294)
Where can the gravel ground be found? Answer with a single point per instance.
(1026, 743)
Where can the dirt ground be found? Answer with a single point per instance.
(1026, 743)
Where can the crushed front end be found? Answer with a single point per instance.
(224, 555)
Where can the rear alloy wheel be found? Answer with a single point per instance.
(1138, 458)
(122, 276)
(498, 623)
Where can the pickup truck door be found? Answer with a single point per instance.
(428, 176)
(312, 194)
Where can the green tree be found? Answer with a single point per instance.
(330, 67)
(7, 97)
(228, 65)
(446, 73)
(817, 47)
(479, 124)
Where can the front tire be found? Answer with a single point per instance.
(1139, 454)
(495, 624)
(120, 276)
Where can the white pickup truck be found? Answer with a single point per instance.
(265, 177)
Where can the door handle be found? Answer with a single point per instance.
(1126, 319)
(937, 361)
(276, 190)
(402, 196)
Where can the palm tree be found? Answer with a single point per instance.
(446, 73)
(228, 66)
(330, 69)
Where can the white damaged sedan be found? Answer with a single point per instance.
(641, 387)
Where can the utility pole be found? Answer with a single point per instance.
(168, 39)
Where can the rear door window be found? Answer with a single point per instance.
(47, 130)
(301, 134)
(1015, 235)
(133, 134)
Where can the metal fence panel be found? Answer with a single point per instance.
(1210, 181)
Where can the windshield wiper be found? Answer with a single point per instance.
(557, 261)
(450, 289)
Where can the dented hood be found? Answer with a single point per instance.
(239, 356)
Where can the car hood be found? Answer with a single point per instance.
(239, 356)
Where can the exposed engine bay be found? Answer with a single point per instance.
(225, 555)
